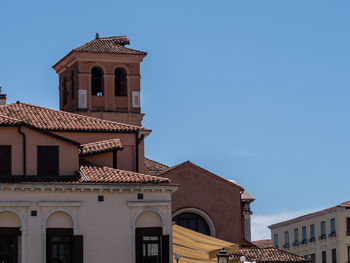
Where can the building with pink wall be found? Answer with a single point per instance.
(75, 185)
(70, 191)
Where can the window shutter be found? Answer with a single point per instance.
(5, 160)
(78, 251)
(165, 249)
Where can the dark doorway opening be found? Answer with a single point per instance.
(9, 244)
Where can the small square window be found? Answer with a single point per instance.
(101, 198)
(140, 196)
(34, 213)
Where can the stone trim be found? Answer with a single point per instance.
(148, 203)
(60, 203)
(15, 203)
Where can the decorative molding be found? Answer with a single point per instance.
(148, 203)
(97, 187)
(60, 203)
(15, 203)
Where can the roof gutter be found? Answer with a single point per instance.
(139, 137)
(24, 150)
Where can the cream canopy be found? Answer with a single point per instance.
(194, 247)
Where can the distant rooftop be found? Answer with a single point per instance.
(310, 215)
(264, 243)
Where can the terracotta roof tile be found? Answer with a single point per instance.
(54, 120)
(90, 174)
(110, 45)
(154, 168)
(4, 121)
(95, 174)
(264, 243)
(268, 255)
(100, 147)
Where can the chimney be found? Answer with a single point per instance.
(2, 98)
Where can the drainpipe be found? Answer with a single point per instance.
(138, 140)
(24, 151)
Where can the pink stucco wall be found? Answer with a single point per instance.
(68, 153)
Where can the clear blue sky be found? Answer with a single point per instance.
(256, 91)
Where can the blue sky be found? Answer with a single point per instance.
(255, 91)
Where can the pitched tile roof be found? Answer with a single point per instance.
(263, 243)
(110, 45)
(95, 174)
(54, 120)
(90, 174)
(7, 121)
(100, 147)
(154, 168)
(268, 255)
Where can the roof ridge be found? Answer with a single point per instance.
(157, 162)
(69, 113)
(95, 142)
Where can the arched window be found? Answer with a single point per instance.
(64, 87)
(72, 84)
(120, 82)
(96, 82)
(193, 221)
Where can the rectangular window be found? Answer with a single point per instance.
(332, 234)
(348, 254)
(313, 258)
(48, 162)
(275, 240)
(303, 233)
(286, 239)
(312, 233)
(151, 246)
(5, 160)
(324, 257)
(334, 255)
(296, 237)
(348, 226)
(323, 230)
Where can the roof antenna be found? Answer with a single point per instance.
(97, 36)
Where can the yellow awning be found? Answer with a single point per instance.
(194, 247)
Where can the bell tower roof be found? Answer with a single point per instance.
(109, 45)
(101, 79)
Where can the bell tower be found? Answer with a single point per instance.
(101, 79)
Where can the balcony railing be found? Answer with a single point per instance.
(321, 237)
(286, 245)
(295, 243)
(333, 234)
(312, 239)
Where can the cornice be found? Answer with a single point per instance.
(42, 187)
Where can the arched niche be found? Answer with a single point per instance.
(10, 219)
(59, 219)
(148, 219)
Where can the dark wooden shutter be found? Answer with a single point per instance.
(5, 160)
(78, 251)
(48, 160)
(165, 249)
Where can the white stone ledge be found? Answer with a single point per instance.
(148, 203)
(60, 203)
(15, 203)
